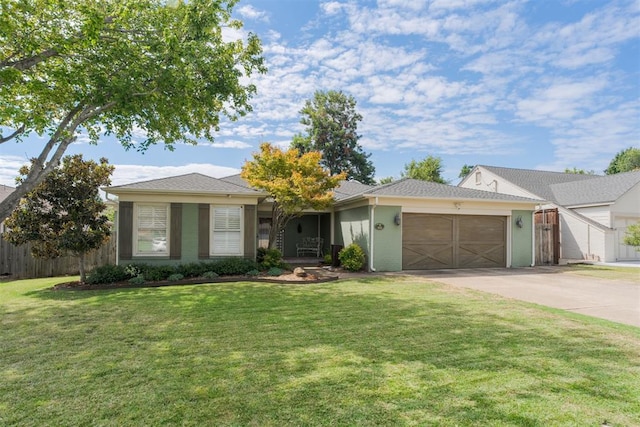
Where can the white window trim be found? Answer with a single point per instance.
(136, 252)
(212, 209)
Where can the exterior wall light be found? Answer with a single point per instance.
(519, 222)
(397, 220)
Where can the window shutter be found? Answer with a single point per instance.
(227, 230)
(125, 230)
(152, 217)
(226, 242)
(226, 219)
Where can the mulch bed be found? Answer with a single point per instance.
(288, 278)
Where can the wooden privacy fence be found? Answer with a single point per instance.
(17, 262)
(547, 237)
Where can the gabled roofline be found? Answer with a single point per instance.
(524, 190)
(109, 190)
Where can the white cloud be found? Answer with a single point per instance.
(562, 100)
(458, 76)
(332, 7)
(227, 143)
(126, 174)
(250, 12)
(9, 166)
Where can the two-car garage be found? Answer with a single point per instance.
(434, 241)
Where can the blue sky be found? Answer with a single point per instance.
(545, 84)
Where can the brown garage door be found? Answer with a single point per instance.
(431, 241)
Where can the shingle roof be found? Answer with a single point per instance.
(189, 183)
(603, 189)
(350, 188)
(423, 189)
(237, 180)
(535, 181)
(344, 190)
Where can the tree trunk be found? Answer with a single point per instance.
(83, 275)
(279, 221)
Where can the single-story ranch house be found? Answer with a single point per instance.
(405, 225)
(589, 214)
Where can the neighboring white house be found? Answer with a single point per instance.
(4, 192)
(594, 211)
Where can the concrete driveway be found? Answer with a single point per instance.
(614, 300)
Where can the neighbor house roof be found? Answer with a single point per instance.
(537, 182)
(598, 190)
(424, 189)
(189, 183)
(5, 191)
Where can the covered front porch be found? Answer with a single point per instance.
(297, 235)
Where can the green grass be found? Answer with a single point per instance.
(628, 274)
(360, 352)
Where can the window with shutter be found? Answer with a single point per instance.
(152, 229)
(226, 231)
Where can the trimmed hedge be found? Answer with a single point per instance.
(154, 273)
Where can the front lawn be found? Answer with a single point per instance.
(627, 274)
(359, 352)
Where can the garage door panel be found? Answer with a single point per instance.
(438, 228)
(481, 228)
(453, 241)
(478, 256)
(421, 256)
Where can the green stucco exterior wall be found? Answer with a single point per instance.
(189, 233)
(521, 239)
(352, 226)
(387, 239)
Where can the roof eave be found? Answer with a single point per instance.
(463, 199)
(183, 192)
(589, 205)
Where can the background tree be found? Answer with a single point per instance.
(577, 171)
(332, 125)
(632, 236)
(428, 169)
(465, 170)
(64, 215)
(113, 67)
(625, 161)
(295, 182)
(385, 180)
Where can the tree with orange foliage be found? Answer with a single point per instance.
(295, 182)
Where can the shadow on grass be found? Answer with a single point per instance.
(349, 353)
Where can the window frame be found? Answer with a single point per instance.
(136, 228)
(212, 231)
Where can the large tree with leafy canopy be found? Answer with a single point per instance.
(294, 181)
(626, 160)
(331, 122)
(64, 214)
(427, 169)
(465, 170)
(117, 66)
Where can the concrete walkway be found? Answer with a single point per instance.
(614, 300)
